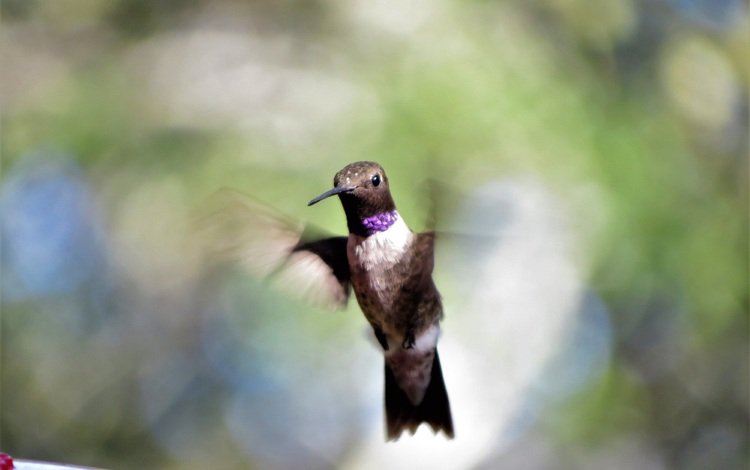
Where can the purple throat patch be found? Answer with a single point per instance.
(379, 222)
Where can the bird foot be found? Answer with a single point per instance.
(409, 340)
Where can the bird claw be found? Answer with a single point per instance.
(409, 340)
(380, 336)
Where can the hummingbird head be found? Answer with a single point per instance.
(363, 190)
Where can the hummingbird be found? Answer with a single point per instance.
(390, 270)
(388, 267)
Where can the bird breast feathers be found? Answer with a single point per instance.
(382, 249)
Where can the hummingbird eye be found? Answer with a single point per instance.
(375, 180)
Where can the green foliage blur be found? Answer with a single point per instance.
(633, 114)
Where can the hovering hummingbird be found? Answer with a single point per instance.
(389, 268)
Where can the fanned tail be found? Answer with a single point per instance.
(434, 409)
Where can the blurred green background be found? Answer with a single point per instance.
(603, 146)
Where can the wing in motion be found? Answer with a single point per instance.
(297, 258)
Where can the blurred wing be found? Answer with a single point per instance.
(297, 259)
(318, 271)
(236, 228)
(441, 205)
(442, 225)
(425, 251)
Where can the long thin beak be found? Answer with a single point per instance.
(331, 192)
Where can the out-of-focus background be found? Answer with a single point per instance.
(597, 158)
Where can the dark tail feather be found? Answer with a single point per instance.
(434, 410)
